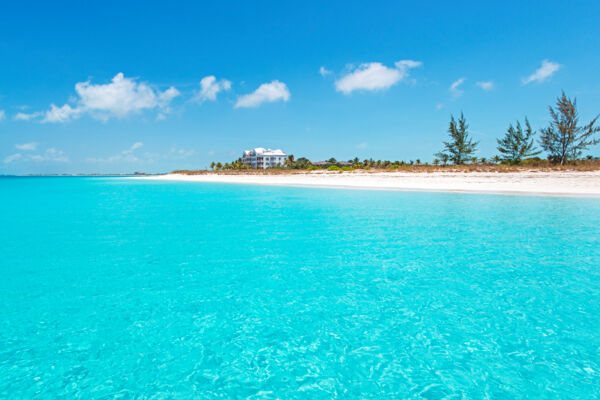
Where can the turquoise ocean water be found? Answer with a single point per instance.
(115, 288)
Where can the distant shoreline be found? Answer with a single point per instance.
(538, 183)
(77, 175)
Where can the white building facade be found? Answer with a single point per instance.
(264, 158)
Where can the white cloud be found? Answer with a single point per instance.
(2, 115)
(133, 147)
(374, 76)
(439, 106)
(405, 65)
(545, 71)
(455, 90)
(26, 117)
(324, 71)
(119, 98)
(362, 145)
(12, 157)
(176, 153)
(50, 154)
(164, 98)
(27, 146)
(210, 87)
(61, 114)
(130, 155)
(266, 93)
(486, 85)
(125, 155)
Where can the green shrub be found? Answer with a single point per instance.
(311, 168)
(334, 168)
(347, 168)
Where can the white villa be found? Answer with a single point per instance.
(263, 158)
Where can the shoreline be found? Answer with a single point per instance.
(527, 183)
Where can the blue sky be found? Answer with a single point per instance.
(128, 86)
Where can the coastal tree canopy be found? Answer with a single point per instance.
(564, 139)
(461, 147)
(517, 143)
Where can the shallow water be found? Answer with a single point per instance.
(136, 289)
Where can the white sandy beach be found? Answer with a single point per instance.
(583, 184)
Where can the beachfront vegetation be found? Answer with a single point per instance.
(461, 147)
(517, 144)
(564, 139)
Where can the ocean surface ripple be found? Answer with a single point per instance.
(115, 288)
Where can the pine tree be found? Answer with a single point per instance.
(564, 139)
(517, 143)
(461, 147)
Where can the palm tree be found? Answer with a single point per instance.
(212, 165)
(289, 162)
(443, 158)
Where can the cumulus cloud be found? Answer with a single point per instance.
(324, 71)
(119, 98)
(210, 87)
(27, 146)
(486, 85)
(374, 76)
(545, 71)
(266, 93)
(50, 154)
(454, 89)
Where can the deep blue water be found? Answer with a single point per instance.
(115, 288)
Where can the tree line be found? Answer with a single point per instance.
(564, 139)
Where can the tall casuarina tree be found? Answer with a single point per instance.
(517, 143)
(460, 147)
(564, 139)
